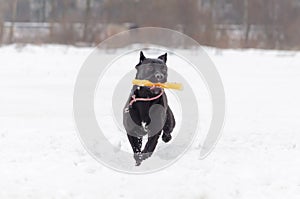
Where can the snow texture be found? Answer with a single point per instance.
(257, 156)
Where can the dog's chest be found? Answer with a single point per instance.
(144, 125)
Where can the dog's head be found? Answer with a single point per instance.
(154, 70)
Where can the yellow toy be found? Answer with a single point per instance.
(169, 85)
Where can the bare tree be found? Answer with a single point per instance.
(14, 14)
(53, 13)
(2, 8)
(44, 10)
(246, 22)
(210, 32)
(86, 18)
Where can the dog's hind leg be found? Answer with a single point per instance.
(169, 126)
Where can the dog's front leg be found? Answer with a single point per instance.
(157, 114)
(150, 146)
(136, 145)
(135, 142)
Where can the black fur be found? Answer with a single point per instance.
(156, 115)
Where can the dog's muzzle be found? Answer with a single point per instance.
(159, 76)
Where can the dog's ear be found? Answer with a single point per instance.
(142, 56)
(163, 57)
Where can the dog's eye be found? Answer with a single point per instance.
(149, 68)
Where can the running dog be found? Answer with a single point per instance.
(147, 111)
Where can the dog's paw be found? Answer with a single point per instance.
(138, 159)
(166, 137)
(146, 155)
(138, 163)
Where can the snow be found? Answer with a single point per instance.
(257, 156)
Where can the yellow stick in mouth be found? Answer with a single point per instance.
(168, 85)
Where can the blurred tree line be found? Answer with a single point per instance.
(222, 23)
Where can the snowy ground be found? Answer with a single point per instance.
(256, 157)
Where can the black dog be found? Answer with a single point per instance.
(146, 111)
